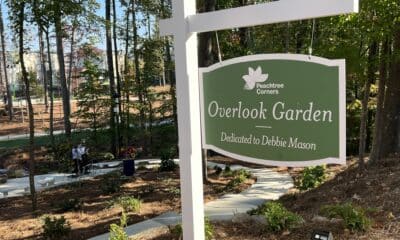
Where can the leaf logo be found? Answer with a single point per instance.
(254, 76)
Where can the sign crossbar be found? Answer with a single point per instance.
(260, 14)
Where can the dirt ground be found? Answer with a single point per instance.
(20, 123)
(377, 189)
(159, 192)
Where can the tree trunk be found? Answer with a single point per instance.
(63, 80)
(43, 69)
(117, 72)
(51, 91)
(116, 53)
(3, 49)
(30, 108)
(206, 58)
(71, 57)
(364, 115)
(244, 32)
(126, 71)
(139, 84)
(390, 144)
(377, 139)
(114, 140)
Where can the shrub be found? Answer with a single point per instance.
(55, 228)
(70, 204)
(242, 173)
(112, 183)
(311, 177)
(177, 230)
(354, 217)
(218, 170)
(108, 156)
(277, 216)
(240, 176)
(234, 183)
(167, 161)
(227, 171)
(129, 204)
(174, 191)
(117, 232)
(208, 230)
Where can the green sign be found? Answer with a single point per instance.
(282, 109)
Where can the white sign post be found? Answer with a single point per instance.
(184, 26)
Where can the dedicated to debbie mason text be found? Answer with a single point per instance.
(270, 141)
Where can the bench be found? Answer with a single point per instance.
(47, 182)
(5, 191)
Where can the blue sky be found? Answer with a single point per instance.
(34, 45)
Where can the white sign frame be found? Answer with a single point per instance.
(184, 27)
(340, 63)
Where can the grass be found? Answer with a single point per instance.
(44, 140)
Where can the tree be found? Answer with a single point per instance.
(390, 145)
(110, 64)
(206, 58)
(18, 6)
(370, 78)
(3, 49)
(92, 95)
(61, 8)
(136, 53)
(116, 55)
(43, 68)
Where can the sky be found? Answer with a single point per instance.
(34, 46)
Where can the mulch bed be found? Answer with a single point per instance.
(376, 188)
(159, 192)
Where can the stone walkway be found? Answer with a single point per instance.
(270, 185)
(16, 187)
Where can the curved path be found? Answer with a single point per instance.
(270, 185)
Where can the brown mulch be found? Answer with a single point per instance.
(377, 188)
(159, 192)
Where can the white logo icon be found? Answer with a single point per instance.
(254, 76)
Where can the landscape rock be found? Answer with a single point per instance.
(241, 218)
(318, 218)
(259, 219)
(336, 220)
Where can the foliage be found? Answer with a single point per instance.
(117, 232)
(227, 171)
(93, 100)
(208, 229)
(277, 216)
(354, 217)
(108, 156)
(55, 228)
(112, 183)
(240, 176)
(61, 154)
(311, 177)
(129, 203)
(73, 204)
(218, 170)
(35, 87)
(167, 160)
(177, 230)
